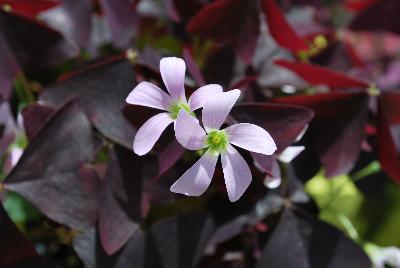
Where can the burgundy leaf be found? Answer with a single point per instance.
(193, 68)
(9, 127)
(337, 130)
(317, 75)
(388, 137)
(358, 5)
(16, 250)
(231, 22)
(120, 197)
(29, 8)
(283, 122)
(381, 16)
(35, 46)
(305, 242)
(51, 175)
(280, 29)
(35, 116)
(101, 91)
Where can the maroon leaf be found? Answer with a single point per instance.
(16, 250)
(317, 75)
(28, 8)
(50, 173)
(337, 130)
(9, 128)
(283, 122)
(305, 242)
(101, 91)
(388, 135)
(232, 22)
(380, 16)
(35, 46)
(280, 29)
(35, 116)
(358, 5)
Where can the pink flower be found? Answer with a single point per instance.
(146, 94)
(192, 136)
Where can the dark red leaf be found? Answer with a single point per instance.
(382, 16)
(231, 22)
(101, 91)
(29, 8)
(35, 46)
(16, 250)
(305, 242)
(283, 122)
(35, 116)
(51, 175)
(337, 130)
(388, 137)
(280, 29)
(358, 5)
(318, 75)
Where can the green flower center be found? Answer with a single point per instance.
(217, 141)
(176, 107)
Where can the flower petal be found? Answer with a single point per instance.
(150, 132)
(149, 95)
(290, 153)
(217, 108)
(188, 131)
(252, 138)
(198, 98)
(173, 74)
(236, 173)
(196, 179)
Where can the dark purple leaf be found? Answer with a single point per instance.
(283, 122)
(120, 197)
(231, 22)
(121, 19)
(304, 241)
(16, 250)
(381, 16)
(182, 10)
(337, 130)
(9, 69)
(35, 116)
(35, 46)
(76, 20)
(173, 242)
(51, 175)
(8, 125)
(101, 92)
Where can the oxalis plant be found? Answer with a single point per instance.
(199, 133)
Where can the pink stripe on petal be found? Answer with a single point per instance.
(188, 131)
(236, 173)
(252, 138)
(217, 108)
(149, 95)
(150, 132)
(173, 74)
(196, 179)
(202, 94)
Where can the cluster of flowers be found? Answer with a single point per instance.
(216, 105)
